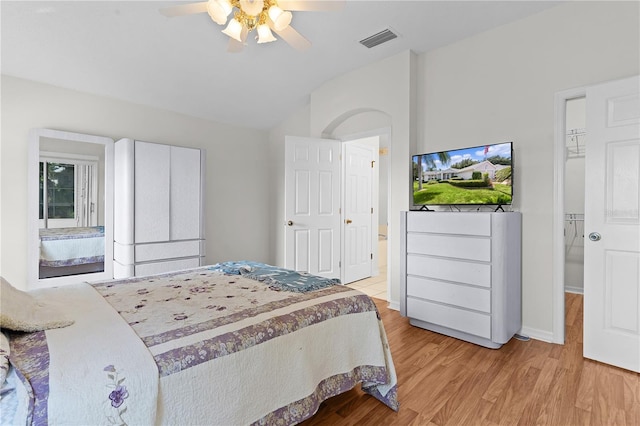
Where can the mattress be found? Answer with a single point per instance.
(71, 246)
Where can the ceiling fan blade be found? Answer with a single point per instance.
(236, 46)
(291, 36)
(312, 5)
(184, 9)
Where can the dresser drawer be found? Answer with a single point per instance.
(475, 298)
(446, 316)
(472, 248)
(450, 270)
(170, 250)
(168, 266)
(450, 223)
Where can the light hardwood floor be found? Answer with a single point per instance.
(445, 381)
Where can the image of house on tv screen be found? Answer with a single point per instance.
(479, 175)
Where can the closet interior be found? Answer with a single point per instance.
(574, 195)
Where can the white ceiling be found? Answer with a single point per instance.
(127, 50)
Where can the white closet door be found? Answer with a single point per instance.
(185, 193)
(152, 177)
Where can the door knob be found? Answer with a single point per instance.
(348, 221)
(290, 223)
(594, 236)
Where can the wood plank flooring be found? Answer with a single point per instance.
(444, 381)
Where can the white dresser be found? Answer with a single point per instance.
(461, 274)
(158, 208)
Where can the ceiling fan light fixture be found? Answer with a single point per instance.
(252, 7)
(234, 30)
(264, 34)
(281, 19)
(219, 10)
(226, 5)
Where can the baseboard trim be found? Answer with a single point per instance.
(394, 305)
(534, 333)
(575, 290)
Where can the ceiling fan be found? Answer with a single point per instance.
(264, 16)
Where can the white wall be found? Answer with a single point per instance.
(500, 86)
(237, 192)
(492, 87)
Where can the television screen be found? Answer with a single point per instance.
(479, 175)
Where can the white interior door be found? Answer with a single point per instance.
(358, 211)
(612, 224)
(312, 206)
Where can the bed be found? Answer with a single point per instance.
(65, 251)
(231, 344)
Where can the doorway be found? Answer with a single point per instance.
(573, 99)
(314, 212)
(574, 192)
(612, 175)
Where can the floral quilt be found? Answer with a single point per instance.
(233, 350)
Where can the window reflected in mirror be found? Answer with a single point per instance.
(70, 221)
(57, 180)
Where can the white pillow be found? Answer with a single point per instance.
(4, 358)
(20, 311)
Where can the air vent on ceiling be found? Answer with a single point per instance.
(379, 38)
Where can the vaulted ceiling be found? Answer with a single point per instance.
(128, 50)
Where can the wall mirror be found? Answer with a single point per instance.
(70, 208)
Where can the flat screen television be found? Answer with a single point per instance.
(478, 175)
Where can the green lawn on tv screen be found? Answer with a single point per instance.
(443, 193)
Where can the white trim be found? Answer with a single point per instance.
(574, 290)
(64, 156)
(558, 309)
(534, 333)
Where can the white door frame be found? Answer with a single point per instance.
(560, 135)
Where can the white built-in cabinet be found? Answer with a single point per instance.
(461, 274)
(158, 208)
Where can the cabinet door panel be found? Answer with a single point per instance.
(152, 176)
(185, 193)
(167, 266)
(175, 249)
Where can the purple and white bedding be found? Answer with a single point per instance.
(71, 246)
(202, 347)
